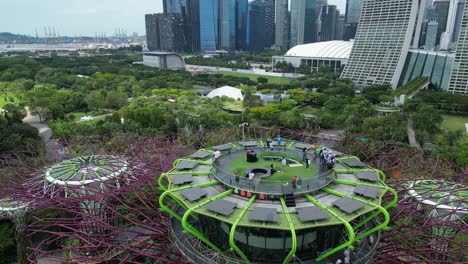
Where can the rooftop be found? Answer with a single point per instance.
(336, 49)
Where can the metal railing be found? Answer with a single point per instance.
(266, 186)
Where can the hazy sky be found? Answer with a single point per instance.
(82, 17)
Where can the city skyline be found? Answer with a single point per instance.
(83, 18)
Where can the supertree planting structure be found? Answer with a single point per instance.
(118, 199)
(218, 215)
(95, 208)
(429, 223)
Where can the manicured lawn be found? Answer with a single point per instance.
(454, 122)
(77, 115)
(241, 165)
(253, 77)
(235, 106)
(310, 110)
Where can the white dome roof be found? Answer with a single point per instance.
(337, 49)
(228, 91)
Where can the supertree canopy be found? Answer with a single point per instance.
(260, 202)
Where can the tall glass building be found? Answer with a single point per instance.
(209, 27)
(303, 22)
(241, 24)
(459, 79)
(282, 25)
(227, 24)
(330, 23)
(269, 22)
(353, 12)
(190, 13)
(382, 42)
(256, 27)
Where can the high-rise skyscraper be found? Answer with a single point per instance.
(241, 24)
(340, 28)
(442, 8)
(319, 4)
(227, 25)
(282, 25)
(303, 22)
(269, 22)
(329, 25)
(459, 78)
(447, 35)
(353, 12)
(256, 26)
(190, 13)
(382, 41)
(209, 25)
(171, 32)
(152, 32)
(458, 20)
(431, 35)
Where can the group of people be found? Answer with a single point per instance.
(296, 182)
(327, 158)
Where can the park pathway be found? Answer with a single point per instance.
(45, 132)
(411, 134)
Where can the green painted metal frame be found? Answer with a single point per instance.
(380, 208)
(188, 228)
(293, 233)
(387, 206)
(352, 235)
(233, 229)
(164, 208)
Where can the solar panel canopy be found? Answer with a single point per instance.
(348, 205)
(367, 175)
(222, 147)
(221, 206)
(352, 162)
(182, 178)
(200, 154)
(264, 214)
(186, 165)
(311, 213)
(194, 193)
(367, 191)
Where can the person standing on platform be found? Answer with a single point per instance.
(313, 150)
(294, 182)
(283, 164)
(307, 161)
(279, 140)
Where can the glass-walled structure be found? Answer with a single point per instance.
(437, 66)
(209, 25)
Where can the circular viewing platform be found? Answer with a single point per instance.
(286, 210)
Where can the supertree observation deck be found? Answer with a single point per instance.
(221, 214)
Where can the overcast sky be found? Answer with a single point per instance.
(82, 17)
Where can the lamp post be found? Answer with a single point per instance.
(243, 125)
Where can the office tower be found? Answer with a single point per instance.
(329, 26)
(209, 25)
(269, 22)
(190, 13)
(382, 42)
(458, 20)
(459, 79)
(442, 9)
(303, 22)
(319, 4)
(227, 25)
(340, 28)
(447, 35)
(241, 24)
(431, 35)
(152, 32)
(256, 26)
(171, 32)
(353, 12)
(282, 25)
(429, 16)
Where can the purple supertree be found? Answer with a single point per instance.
(429, 223)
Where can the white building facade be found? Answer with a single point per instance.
(385, 33)
(459, 78)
